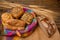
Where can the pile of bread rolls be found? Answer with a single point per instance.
(17, 19)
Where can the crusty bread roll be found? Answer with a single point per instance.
(5, 17)
(18, 24)
(27, 17)
(17, 12)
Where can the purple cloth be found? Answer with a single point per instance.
(9, 38)
(0, 22)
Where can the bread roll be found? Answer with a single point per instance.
(17, 12)
(27, 17)
(15, 24)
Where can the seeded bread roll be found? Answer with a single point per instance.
(17, 12)
(27, 17)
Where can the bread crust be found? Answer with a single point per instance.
(17, 12)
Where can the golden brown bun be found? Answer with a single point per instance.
(15, 24)
(17, 12)
(27, 17)
(5, 17)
